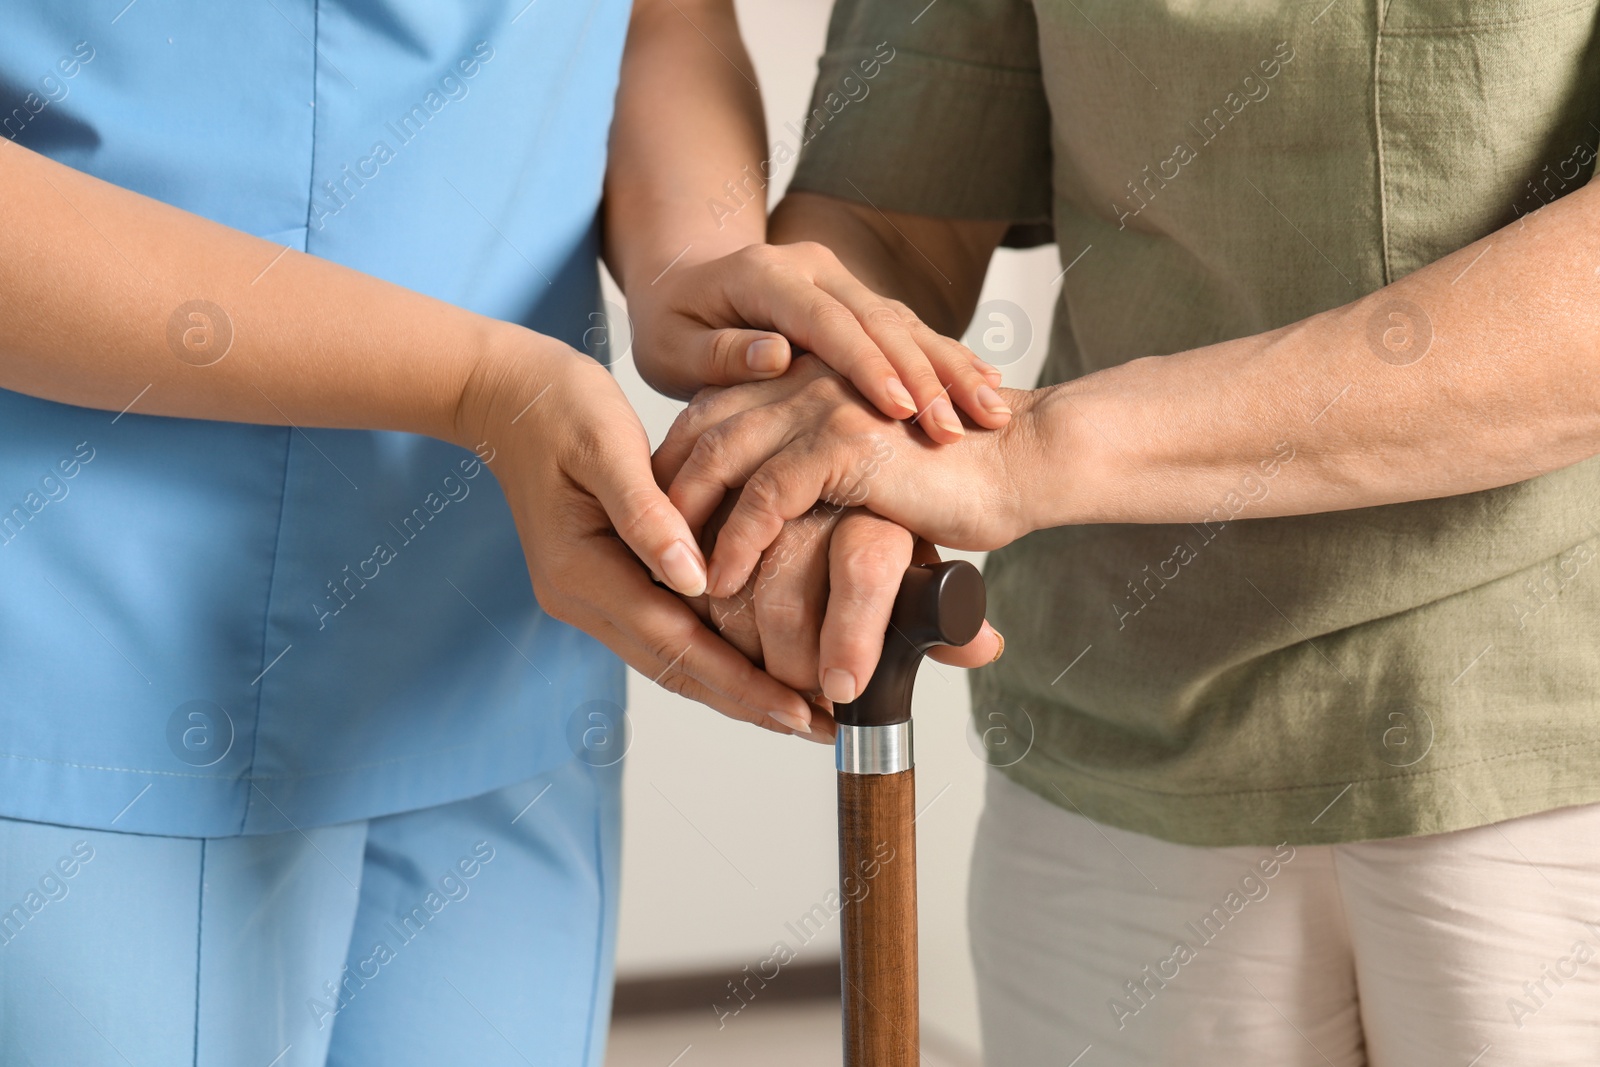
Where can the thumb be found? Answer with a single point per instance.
(735, 356)
(648, 523)
(979, 652)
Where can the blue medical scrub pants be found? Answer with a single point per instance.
(473, 933)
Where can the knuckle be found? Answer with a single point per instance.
(675, 682)
(858, 636)
(872, 569)
(958, 372)
(663, 644)
(921, 378)
(903, 311)
(814, 375)
(883, 317)
(713, 452)
(814, 251)
(670, 649)
(701, 411)
(761, 255)
(762, 495)
(643, 513)
(727, 351)
(828, 314)
(683, 426)
(844, 421)
(959, 356)
(832, 392)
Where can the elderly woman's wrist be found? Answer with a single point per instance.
(1054, 460)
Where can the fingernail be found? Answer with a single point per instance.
(898, 394)
(944, 415)
(1001, 638)
(766, 356)
(682, 568)
(839, 685)
(992, 402)
(793, 722)
(714, 579)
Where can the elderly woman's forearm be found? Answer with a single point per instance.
(1477, 371)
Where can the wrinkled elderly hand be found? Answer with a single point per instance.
(809, 437)
(815, 610)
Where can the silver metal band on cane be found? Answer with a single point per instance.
(873, 749)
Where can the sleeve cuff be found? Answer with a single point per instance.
(929, 136)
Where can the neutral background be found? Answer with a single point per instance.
(730, 830)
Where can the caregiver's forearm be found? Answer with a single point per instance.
(688, 124)
(1480, 370)
(110, 299)
(934, 266)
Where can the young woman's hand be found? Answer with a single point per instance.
(732, 320)
(809, 437)
(574, 463)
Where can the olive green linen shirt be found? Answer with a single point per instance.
(1222, 170)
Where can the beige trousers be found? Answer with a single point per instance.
(1097, 947)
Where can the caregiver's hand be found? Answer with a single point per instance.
(815, 610)
(312, 343)
(731, 320)
(574, 463)
(808, 437)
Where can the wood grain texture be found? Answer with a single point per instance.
(878, 923)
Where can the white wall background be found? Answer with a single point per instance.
(730, 830)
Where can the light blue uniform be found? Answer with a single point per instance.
(479, 932)
(212, 630)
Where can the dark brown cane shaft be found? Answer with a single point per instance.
(878, 932)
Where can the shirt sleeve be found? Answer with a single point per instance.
(932, 109)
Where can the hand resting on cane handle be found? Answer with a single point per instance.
(814, 610)
(808, 437)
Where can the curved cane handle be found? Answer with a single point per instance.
(938, 604)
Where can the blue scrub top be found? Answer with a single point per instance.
(209, 629)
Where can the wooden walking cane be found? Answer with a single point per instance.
(938, 604)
